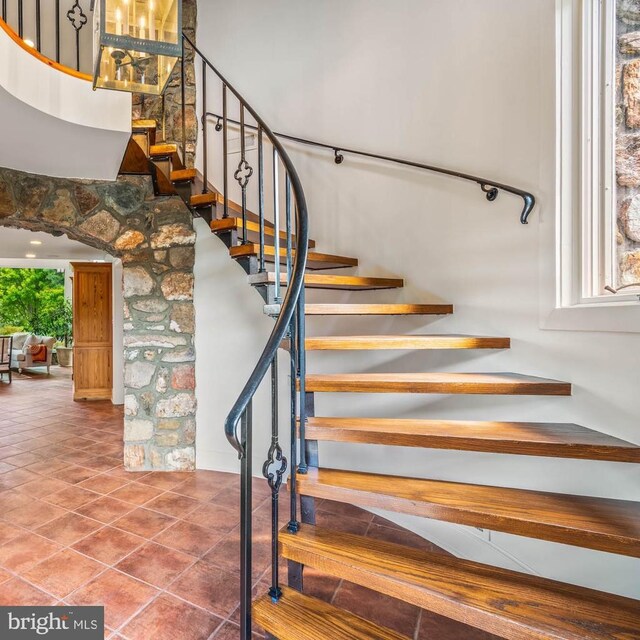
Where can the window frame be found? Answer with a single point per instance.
(585, 245)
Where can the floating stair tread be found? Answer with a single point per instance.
(144, 124)
(438, 382)
(223, 225)
(408, 341)
(506, 603)
(202, 199)
(317, 281)
(377, 309)
(297, 616)
(314, 260)
(159, 150)
(593, 523)
(522, 438)
(183, 175)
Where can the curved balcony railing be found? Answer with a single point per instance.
(56, 29)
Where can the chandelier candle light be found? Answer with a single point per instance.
(136, 44)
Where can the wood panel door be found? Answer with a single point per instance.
(92, 331)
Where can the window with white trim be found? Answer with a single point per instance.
(599, 152)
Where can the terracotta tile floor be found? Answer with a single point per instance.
(76, 528)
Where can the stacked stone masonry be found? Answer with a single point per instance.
(155, 239)
(167, 110)
(628, 140)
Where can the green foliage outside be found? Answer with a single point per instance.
(33, 300)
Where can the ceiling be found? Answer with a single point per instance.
(16, 243)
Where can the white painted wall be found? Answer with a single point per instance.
(463, 84)
(55, 124)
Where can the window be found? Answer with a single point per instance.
(598, 229)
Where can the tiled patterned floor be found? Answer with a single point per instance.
(154, 548)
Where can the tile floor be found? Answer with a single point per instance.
(153, 548)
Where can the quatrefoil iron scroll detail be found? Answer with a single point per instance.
(76, 16)
(243, 173)
(274, 467)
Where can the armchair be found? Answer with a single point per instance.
(5, 356)
(21, 358)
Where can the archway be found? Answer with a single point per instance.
(154, 238)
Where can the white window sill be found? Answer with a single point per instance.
(622, 317)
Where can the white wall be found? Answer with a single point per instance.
(463, 84)
(73, 131)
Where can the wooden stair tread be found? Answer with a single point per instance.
(183, 175)
(297, 616)
(231, 223)
(438, 382)
(499, 601)
(144, 124)
(408, 341)
(593, 523)
(163, 149)
(377, 309)
(522, 438)
(202, 199)
(315, 260)
(317, 281)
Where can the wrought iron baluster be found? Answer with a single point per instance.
(243, 174)
(302, 372)
(225, 147)
(20, 19)
(288, 224)
(276, 223)
(273, 470)
(205, 155)
(38, 27)
(246, 435)
(183, 98)
(293, 525)
(4, 10)
(78, 19)
(57, 30)
(261, 197)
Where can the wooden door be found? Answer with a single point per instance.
(92, 331)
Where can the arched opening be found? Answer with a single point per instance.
(153, 238)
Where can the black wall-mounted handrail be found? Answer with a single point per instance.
(489, 187)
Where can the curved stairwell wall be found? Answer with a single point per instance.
(53, 123)
(464, 84)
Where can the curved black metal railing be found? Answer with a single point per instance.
(489, 187)
(289, 323)
(290, 249)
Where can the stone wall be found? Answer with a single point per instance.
(628, 140)
(151, 107)
(155, 239)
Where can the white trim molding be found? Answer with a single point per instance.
(584, 253)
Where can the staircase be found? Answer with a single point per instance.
(505, 603)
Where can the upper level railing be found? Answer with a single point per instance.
(57, 29)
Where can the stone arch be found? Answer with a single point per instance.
(155, 239)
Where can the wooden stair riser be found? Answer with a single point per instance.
(505, 603)
(593, 523)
